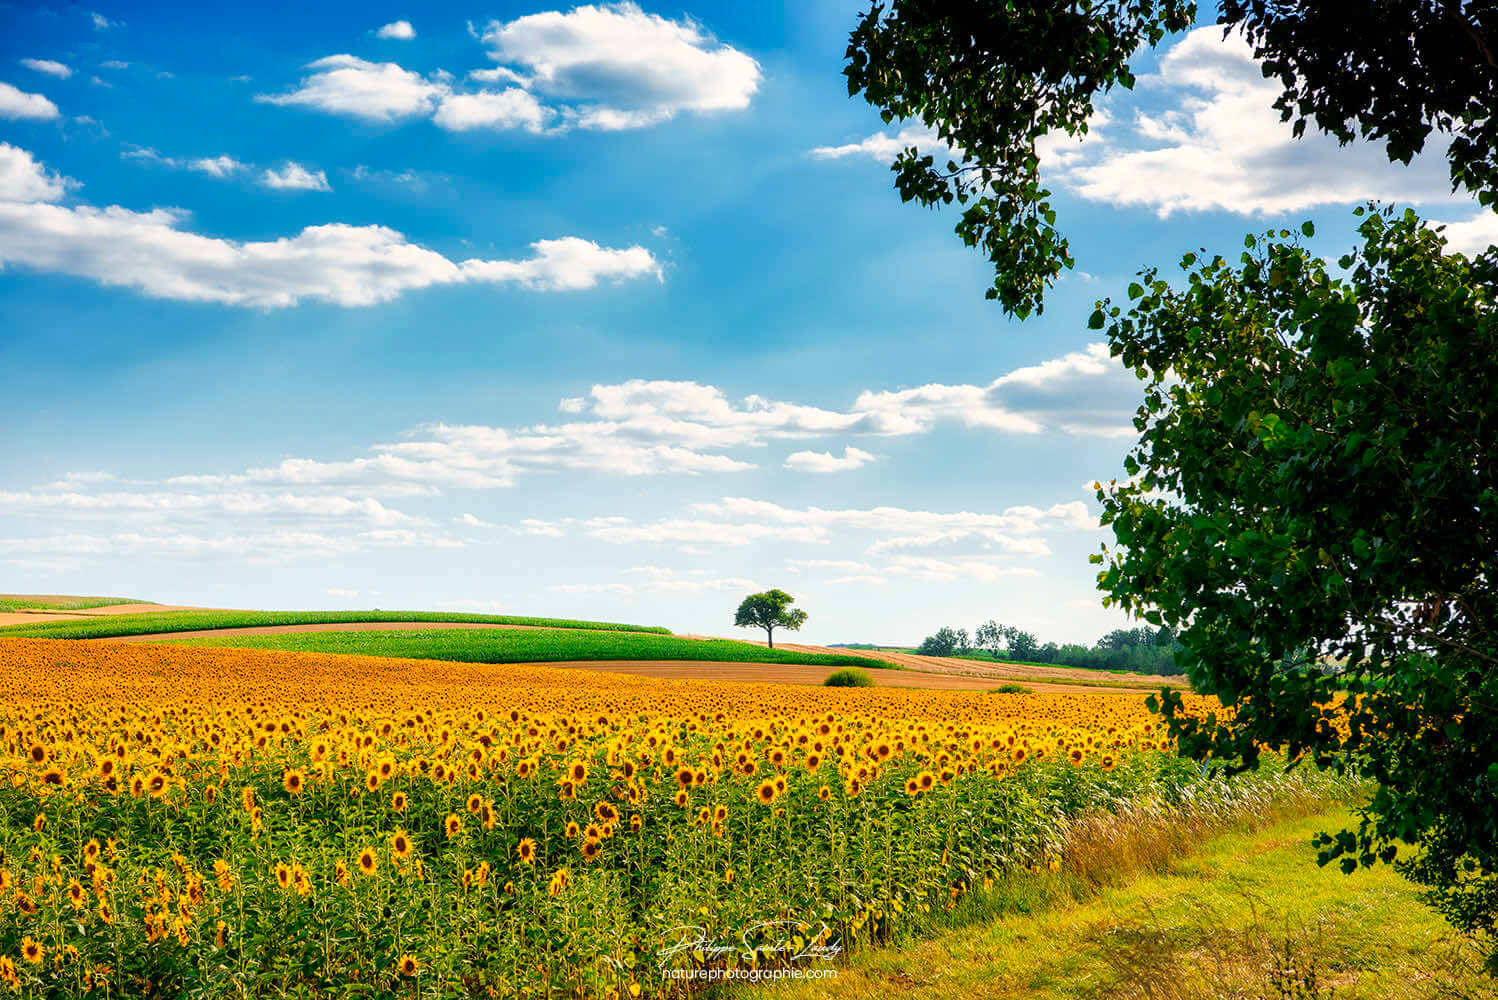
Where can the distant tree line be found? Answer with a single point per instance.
(1143, 650)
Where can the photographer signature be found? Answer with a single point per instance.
(778, 939)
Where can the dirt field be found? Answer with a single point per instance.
(787, 673)
(991, 671)
(40, 615)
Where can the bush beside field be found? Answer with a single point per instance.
(193, 621)
(528, 646)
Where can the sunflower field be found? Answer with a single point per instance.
(183, 822)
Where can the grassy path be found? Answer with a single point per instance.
(1219, 922)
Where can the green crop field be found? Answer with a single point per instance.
(528, 646)
(192, 621)
(22, 602)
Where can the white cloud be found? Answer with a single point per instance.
(498, 74)
(23, 179)
(868, 579)
(1474, 235)
(49, 66)
(494, 109)
(102, 23)
(398, 30)
(295, 177)
(739, 521)
(217, 166)
(1202, 135)
(663, 579)
(15, 103)
(606, 67)
(1216, 143)
(883, 147)
(533, 526)
(347, 85)
(340, 264)
(826, 461)
(468, 520)
(114, 64)
(624, 68)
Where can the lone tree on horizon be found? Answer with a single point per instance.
(769, 611)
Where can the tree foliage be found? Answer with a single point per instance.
(1313, 503)
(769, 611)
(993, 79)
(1313, 500)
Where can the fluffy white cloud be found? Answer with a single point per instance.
(826, 461)
(295, 177)
(16, 103)
(1201, 134)
(347, 85)
(23, 179)
(619, 67)
(49, 66)
(1474, 235)
(102, 23)
(398, 30)
(494, 109)
(336, 263)
(469, 521)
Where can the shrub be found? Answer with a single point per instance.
(849, 677)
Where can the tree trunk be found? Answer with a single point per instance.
(770, 633)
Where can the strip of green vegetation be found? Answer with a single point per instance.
(192, 621)
(18, 602)
(1244, 913)
(527, 646)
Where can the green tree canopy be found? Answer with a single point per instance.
(769, 611)
(993, 78)
(1314, 505)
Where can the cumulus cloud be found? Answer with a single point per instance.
(347, 85)
(1474, 235)
(826, 461)
(1201, 134)
(336, 263)
(605, 67)
(23, 179)
(49, 66)
(16, 103)
(469, 521)
(295, 177)
(618, 67)
(493, 109)
(398, 30)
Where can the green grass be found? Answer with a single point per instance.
(15, 602)
(849, 677)
(526, 646)
(191, 621)
(1245, 913)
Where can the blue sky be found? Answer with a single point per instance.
(605, 311)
